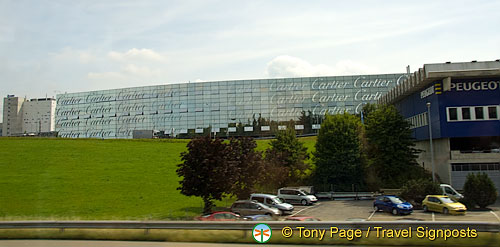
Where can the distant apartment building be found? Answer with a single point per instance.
(38, 115)
(12, 115)
(22, 116)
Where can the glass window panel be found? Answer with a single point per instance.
(479, 112)
(492, 112)
(453, 116)
(465, 113)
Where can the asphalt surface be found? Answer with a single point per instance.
(362, 210)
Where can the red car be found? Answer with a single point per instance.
(301, 218)
(219, 216)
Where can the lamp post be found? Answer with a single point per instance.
(430, 139)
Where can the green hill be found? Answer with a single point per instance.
(95, 179)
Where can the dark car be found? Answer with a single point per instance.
(219, 216)
(247, 207)
(392, 204)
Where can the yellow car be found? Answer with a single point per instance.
(442, 204)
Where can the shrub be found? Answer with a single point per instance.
(479, 190)
(415, 190)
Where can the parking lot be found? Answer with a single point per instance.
(362, 210)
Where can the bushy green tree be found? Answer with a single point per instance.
(338, 156)
(293, 153)
(479, 190)
(248, 166)
(415, 190)
(276, 173)
(390, 147)
(205, 170)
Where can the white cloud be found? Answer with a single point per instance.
(69, 54)
(288, 66)
(104, 75)
(136, 54)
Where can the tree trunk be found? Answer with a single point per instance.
(208, 204)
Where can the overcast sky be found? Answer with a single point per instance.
(49, 47)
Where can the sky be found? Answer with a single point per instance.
(57, 46)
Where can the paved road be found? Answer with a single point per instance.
(351, 210)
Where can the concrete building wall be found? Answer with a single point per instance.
(441, 157)
(12, 115)
(444, 159)
(38, 115)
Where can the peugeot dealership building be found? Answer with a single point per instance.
(462, 102)
(226, 108)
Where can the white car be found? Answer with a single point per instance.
(296, 196)
(272, 201)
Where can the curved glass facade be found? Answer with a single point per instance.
(242, 107)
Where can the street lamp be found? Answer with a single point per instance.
(430, 139)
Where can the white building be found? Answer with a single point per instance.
(21, 116)
(38, 115)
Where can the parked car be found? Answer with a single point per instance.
(449, 191)
(301, 218)
(443, 204)
(296, 196)
(258, 217)
(272, 201)
(392, 204)
(247, 207)
(219, 216)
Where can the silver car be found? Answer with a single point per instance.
(246, 207)
(272, 201)
(296, 196)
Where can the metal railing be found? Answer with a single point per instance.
(248, 225)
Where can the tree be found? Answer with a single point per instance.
(338, 155)
(293, 152)
(415, 190)
(390, 147)
(248, 164)
(205, 170)
(276, 173)
(479, 190)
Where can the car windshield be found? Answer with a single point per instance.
(396, 200)
(446, 200)
(302, 193)
(276, 200)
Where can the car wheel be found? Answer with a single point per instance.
(445, 211)
(426, 209)
(394, 211)
(376, 209)
(303, 202)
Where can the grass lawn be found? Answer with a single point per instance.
(95, 179)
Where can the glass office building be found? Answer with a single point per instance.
(228, 108)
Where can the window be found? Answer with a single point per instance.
(479, 112)
(492, 112)
(259, 199)
(452, 113)
(475, 167)
(472, 113)
(466, 113)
